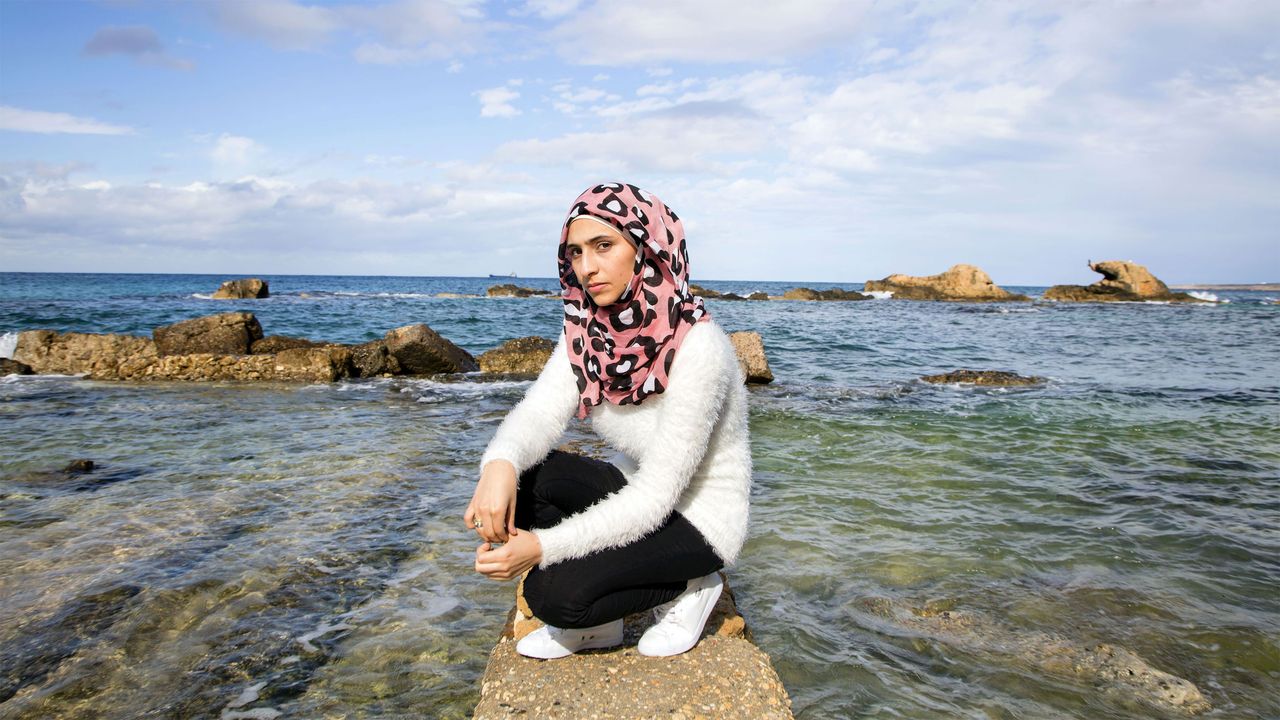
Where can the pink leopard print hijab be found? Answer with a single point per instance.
(621, 353)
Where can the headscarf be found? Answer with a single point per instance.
(622, 353)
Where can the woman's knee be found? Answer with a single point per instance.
(553, 606)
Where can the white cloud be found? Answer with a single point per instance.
(234, 151)
(139, 42)
(551, 8)
(496, 102)
(39, 121)
(283, 24)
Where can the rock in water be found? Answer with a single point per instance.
(226, 334)
(246, 289)
(1122, 281)
(704, 293)
(511, 290)
(961, 283)
(983, 377)
(421, 351)
(372, 359)
(101, 357)
(522, 356)
(13, 367)
(275, 343)
(77, 467)
(749, 347)
(804, 293)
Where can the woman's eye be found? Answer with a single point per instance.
(604, 245)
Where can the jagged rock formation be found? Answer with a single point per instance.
(521, 356)
(724, 676)
(749, 347)
(960, 283)
(1113, 670)
(419, 350)
(226, 334)
(704, 293)
(9, 366)
(372, 359)
(246, 289)
(512, 290)
(1122, 281)
(804, 293)
(983, 377)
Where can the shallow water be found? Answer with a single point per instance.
(298, 549)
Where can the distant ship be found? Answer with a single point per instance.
(508, 275)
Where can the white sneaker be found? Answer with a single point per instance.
(549, 642)
(678, 624)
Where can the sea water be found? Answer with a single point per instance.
(263, 550)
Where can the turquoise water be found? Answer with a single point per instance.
(298, 548)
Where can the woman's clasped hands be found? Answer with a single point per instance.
(491, 514)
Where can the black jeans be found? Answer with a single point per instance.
(615, 582)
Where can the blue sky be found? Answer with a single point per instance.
(829, 140)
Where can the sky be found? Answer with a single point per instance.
(819, 140)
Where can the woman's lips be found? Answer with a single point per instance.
(597, 287)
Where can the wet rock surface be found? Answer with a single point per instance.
(419, 350)
(1122, 281)
(372, 359)
(994, 378)
(13, 367)
(1118, 673)
(749, 347)
(512, 290)
(521, 356)
(226, 334)
(244, 289)
(960, 283)
(723, 676)
(275, 343)
(101, 357)
(804, 293)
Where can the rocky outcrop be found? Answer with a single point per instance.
(1122, 281)
(994, 378)
(9, 366)
(511, 290)
(961, 283)
(804, 293)
(272, 344)
(226, 334)
(749, 347)
(419, 350)
(322, 364)
(521, 356)
(246, 289)
(1112, 670)
(724, 676)
(704, 293)
(372, 359)
(101, 357)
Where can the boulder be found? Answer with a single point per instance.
(511, 290)
(272, 344)
(246, 289)
(9, 366)
(372, 359)
(961, 283)
(1122, 281)
(101, 357)
(523, 356)
(421, 351)
(995, 378)
(804, 293)
(760, 295)
(226, 334)
(749, 347)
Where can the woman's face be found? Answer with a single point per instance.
(602, 259)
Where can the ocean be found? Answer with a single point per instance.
(264, 550)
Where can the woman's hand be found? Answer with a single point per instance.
(494, 503)
(521, 553)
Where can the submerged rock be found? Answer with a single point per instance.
(1122, 281)
(246, 289)
(804, 293)
(749, 347)
(77, 467)
(998, 378)
(512, 290)
(419, 350)
(275, 343)
(231, 333)
(960, 283)
(1112, 670)
(101, 357)
(521, 356)
(8, 366)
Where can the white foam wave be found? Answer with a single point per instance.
(202, 296)
(8, 343)
(879, 294)
(1202, 295)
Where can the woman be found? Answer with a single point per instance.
(661, 383)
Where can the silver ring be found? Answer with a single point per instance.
(477, 524)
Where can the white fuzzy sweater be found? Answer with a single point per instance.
(686, 449)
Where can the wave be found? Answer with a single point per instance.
(879, 294)
(1203, 295)
(202, 296)
(8, 343)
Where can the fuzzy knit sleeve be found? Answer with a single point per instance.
(536, 423)
(697, 387)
